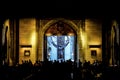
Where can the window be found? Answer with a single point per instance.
(93, 53)
(27, 53)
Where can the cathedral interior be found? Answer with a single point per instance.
(34, 48)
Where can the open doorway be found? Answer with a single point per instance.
(60, 43)
(60, 48)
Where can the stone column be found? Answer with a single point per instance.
(1, 26)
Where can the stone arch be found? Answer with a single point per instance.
(114, 43)
(69, 22)
(47, 25)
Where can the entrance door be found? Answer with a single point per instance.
(60, 42)
(60, 48)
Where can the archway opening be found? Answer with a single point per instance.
(60, 42)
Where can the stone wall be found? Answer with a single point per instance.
(27, 39)
(93, 29)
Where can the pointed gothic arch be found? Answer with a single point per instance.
(65, 21)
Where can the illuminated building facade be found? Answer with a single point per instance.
(60, 39)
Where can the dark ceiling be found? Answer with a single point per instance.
(59, 8)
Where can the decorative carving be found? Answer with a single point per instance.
(60, 28)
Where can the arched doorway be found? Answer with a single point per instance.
(60, 42)
(114, 57)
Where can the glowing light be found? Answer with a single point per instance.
(70, 34)
(72, 60)
(72, 54)
(33, 38)
(48, 34)
(83, 38)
